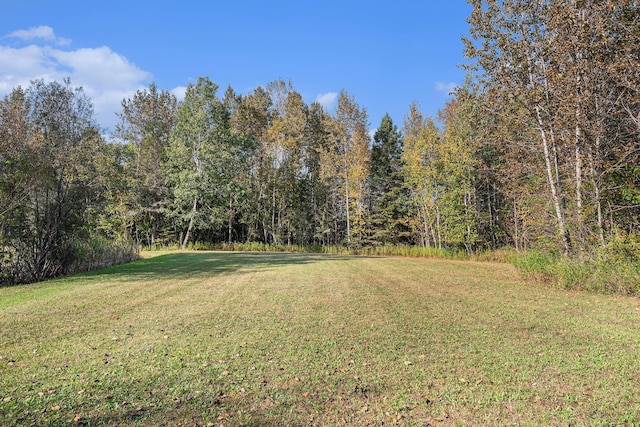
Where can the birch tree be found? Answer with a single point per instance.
(352, 149)
(421, 161)
(201, 150)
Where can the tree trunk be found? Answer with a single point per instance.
(230, 216)
(346, 190)
(187, 235)
(595, 180)
(515, 224)
(554, 183)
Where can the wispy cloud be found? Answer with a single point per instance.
(446, 87)
(327, 100)
(42, 32)
(106, 76)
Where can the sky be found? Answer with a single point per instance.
(384, 54)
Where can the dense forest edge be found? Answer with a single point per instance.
(535, 160)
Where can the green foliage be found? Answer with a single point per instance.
(138, 176)
(206, 163)
(58, 185)
(623, 247)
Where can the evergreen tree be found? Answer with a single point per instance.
(389, 195)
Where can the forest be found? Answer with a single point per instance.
(538, 151)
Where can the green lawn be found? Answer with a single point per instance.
(266, 339)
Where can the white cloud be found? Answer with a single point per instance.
(327, 100)
(100, 67)
(42, 32)
(446, 87)
(179, 92)
(106, 76)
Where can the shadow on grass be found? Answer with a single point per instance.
(193, 264)
(162, 417)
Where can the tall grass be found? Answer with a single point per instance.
(97, 253)
(598, 274)
(17, 267)
(385, 250)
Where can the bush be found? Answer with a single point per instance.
(622, 247)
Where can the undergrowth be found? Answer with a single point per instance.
(612, 269)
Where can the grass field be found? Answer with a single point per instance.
(266, 339)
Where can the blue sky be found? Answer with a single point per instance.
(384, 54)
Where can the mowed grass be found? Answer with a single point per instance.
(266, 339)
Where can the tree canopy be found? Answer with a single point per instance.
(537, 149)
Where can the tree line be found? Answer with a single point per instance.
(537, 149)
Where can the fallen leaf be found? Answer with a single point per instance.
(55, 408)
(6, 399)
(225, 373)
(408, 362)
(77, 419)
